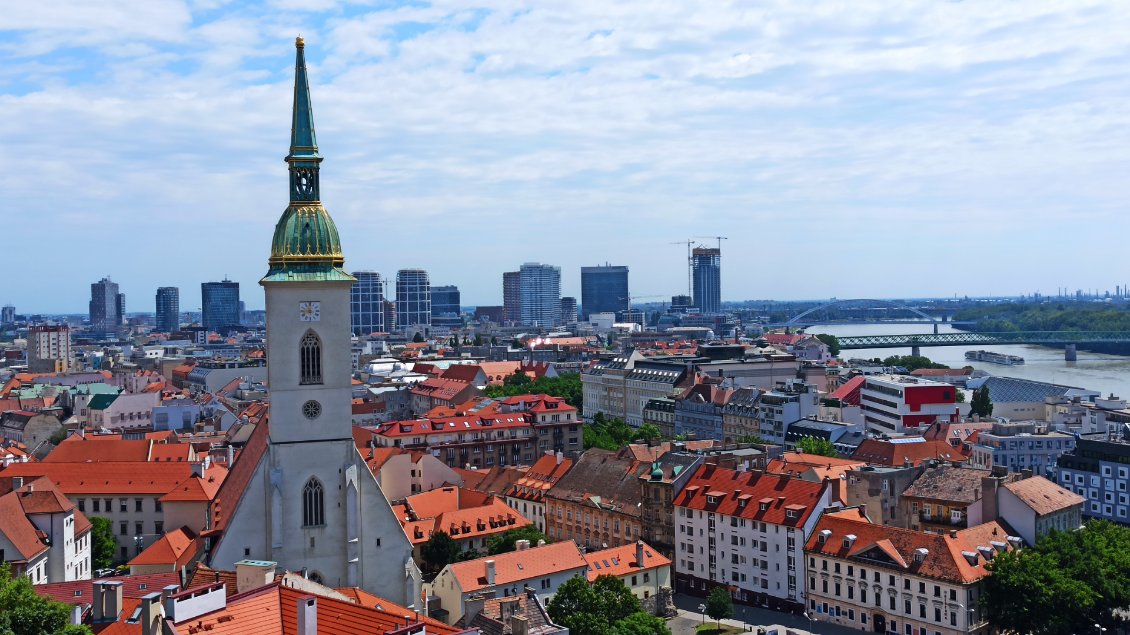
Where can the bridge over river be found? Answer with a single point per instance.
(1068, 339)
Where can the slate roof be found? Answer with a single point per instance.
(948, 484)
(1014, 389)
(600, 478)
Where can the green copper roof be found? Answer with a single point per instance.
(306, 246)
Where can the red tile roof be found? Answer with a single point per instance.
(1043, 496)
(620, 561)
(769, 498)
(133, 586)
(75, 479)
(460, 512)
(897, 452)
(199, 488)
(176, 549)
(520, 565)
(848, 393)
(943, 560)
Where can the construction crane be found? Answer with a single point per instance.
(689, 244)
(718, 238)
(639, 297)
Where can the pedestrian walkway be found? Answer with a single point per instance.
(751, 619)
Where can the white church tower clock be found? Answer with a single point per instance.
(312, 502)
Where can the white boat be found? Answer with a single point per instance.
(994, 358)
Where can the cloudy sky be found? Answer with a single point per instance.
(851, 149)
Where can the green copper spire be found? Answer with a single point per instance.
(303, 157)
(306, 246)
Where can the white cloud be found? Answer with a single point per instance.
(570, 132)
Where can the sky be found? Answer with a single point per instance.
(856, 148)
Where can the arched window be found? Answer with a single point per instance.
(310, 359)
(313, 504)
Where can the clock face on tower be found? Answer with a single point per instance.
(309, 311)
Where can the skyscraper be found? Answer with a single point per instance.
(7, 314)
(445, 306)
(49, 349)
(219, 302)
(512, 296)
(706, 265)
(413, 298)
(540, 294)
(121, 309)
(168, 309)
(366, 303)
(604, 289)
(568, 311)
(105, 304)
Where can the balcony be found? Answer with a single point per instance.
(957, 521)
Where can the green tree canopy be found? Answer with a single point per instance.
(567, 386)
(504, 542)
(719, 604)
(439, 551)
(608, 433)
(813, 445)
(102, 543)
(832, 341)
(911, 362)
(981, 404)
(605, 607)
(648, 432)
(418, 337)
(25, 612)
(1084, 574)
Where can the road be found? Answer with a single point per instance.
(751, 618)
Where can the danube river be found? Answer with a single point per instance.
(1095, 371)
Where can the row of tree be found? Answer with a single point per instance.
(1018, 316)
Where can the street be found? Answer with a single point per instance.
(750, 618)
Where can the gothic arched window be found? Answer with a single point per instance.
(310, 359)
(313, 504)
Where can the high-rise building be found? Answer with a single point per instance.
(309, 501)
(541, 294)
(568, 311)
(7, 314)
(445, 306)
(219, 304)
(49, 349)
(604, 289)
(706, 266)
(413, 298)
(389, 315)
(512, 296)
(680, 303)
(105, 307)
(366, 303)
(168, 309)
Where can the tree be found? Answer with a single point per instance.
(418, 337)
(813, 445)
(911, 362)
(595, 609)
(648, 432)
(25, 612)
(504, 542)
(517, 379)
(960, 396)
(1084, 574)
(640, 624)
(479, 340)
(439, 551)
(981, 404)
(833, 343)
(102, 543)
(58, 436)
(719, 605)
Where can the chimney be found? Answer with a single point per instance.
(639, 554)
(98, 610)
(541, 542)
(472, 606)
(521, 545)
(151, 614)
(231, 455)
(490, 571)
(253, 574)
(308, 616)
(76, 615)
(560, 457)
(519, 625)
(168, 590)
(112, 601)
(197, 469)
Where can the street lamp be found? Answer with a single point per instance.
(809, 618)
(1100, 629)
(702, 609)
(139, 542)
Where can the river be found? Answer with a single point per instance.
(1094, 371)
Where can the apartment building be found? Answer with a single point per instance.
(883, 579)
(1020, 445)
(746, 531)
(1099, 470)
(598, 503)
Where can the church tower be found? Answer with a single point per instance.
(312, 504)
